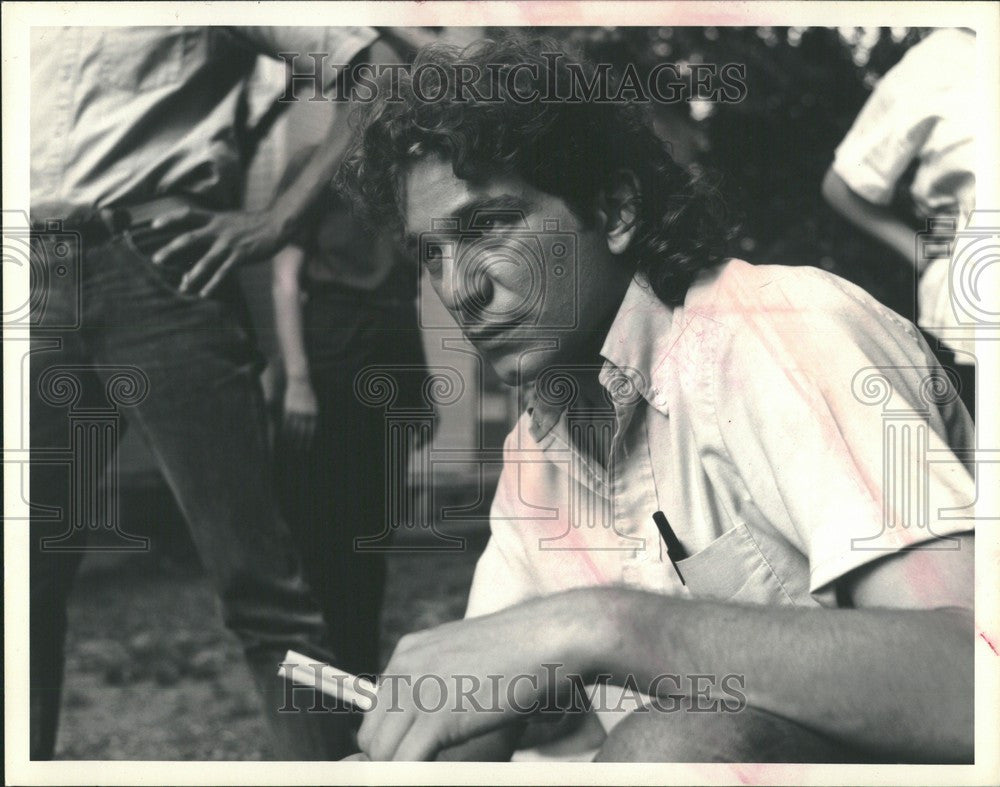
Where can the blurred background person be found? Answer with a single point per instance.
(137, 145)
(344, 300)
(915, 128)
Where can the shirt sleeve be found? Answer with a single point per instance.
(890, 130)
(503, 576)
(341, 44)
(832, 411)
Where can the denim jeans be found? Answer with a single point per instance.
(334, 492)
(196, 400)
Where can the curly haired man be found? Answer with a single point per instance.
(734, 401)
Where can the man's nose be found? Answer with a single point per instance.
(466, 289)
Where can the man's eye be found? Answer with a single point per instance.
(496, 221)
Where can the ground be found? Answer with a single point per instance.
(153, 675)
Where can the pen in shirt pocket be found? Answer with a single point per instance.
(675, 551)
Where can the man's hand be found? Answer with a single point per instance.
(492, 674)
(300, 412)
(228, 238)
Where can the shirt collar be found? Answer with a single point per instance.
(637, 358)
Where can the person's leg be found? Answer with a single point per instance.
(59, 381)
(748, 735)
(356, 491)
(346, 478)
(204, 421)
(51, 575)
(51, 571)
(327, 502)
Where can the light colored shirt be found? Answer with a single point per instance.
(753, 417)
(125, 114)
(919, 111)
(789, 426)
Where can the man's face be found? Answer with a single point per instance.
(531, 284)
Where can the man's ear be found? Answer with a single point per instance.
(618, 210)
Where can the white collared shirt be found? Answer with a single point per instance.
(919, 112)
(789, 426)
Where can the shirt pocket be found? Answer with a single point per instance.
(139, 59)
(732, 569)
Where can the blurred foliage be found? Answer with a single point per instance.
(805, 86)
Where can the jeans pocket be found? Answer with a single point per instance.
(217, 320)
(165, 278)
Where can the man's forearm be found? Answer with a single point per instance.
(287, 300)
(319, 171)
(894, 681)
(877, 220)
(290, 206)
(288, 331)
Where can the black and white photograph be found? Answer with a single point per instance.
(602, 391)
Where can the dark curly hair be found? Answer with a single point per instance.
(570, 149)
